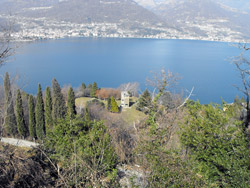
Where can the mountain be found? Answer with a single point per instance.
(149, 4)
(241, 5)
(81, 11)
(204, 17)
(186, 19)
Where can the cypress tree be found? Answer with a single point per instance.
(71, 103)
(114, 106)
(48, 109)
(9, 113)
(93, 90)
(83, 86)
(90, 86)
(21, 126)
(32, 118)
(109, 104)
(58, 103)
(86, 115)
(40, 123)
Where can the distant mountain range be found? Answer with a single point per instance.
(199, 19)
(204, 16)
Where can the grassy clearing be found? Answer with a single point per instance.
(130, 115)
(82, 101)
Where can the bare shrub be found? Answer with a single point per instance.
(106, 93)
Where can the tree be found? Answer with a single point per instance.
(32, 118)
(217, 144)
(93, 90)
(58, 107)
(242, 65)
(105, 93)
(21, 125)
(84, 151)
(48, 109)
(71, 103)
(114, 106)
(6, 47)
(40, 123)
(144, 102)
(130, 87)
(83, 86)
(90, 86)
(9, 114)
(86, 115)
(109, 104)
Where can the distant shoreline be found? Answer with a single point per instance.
(150, 38)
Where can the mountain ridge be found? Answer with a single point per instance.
(190, 19)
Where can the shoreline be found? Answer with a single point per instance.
(149, 38)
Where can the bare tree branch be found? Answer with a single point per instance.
(7, 48)
(185, 101)
(243, 66)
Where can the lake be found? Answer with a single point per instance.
(110, 62)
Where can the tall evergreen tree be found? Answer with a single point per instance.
(48, 109)
(32, 118)
(40, 123)
(109, 104)
(87, 115)
(71, 103)
(58, 103)
(9, 113)
(83, 86)
(114, 106)
(93, 90)
(21, 126)
(90, 86)
(144, 102)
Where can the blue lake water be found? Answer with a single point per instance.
(111, 62)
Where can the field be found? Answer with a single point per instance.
(130, 115)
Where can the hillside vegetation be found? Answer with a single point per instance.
(160, 141)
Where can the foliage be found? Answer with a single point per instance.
(144, 102)
(95, 102)
(93, 90)
(32, 118)
(105, 93)
(217, 145)
(58, 103)
(48, 110)
(21, 125)
(89, 86)
(165, 167)
(109, 104)
(83, 151)
(39, 111)
(71, 103)
(114, 106)
(83, 86)
(86, 115)
(9, 113)
(166, 100)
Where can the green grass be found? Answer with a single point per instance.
(81, 102)
(130, 115)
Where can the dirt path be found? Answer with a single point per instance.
(18, 142)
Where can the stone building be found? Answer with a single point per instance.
(124, 99)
